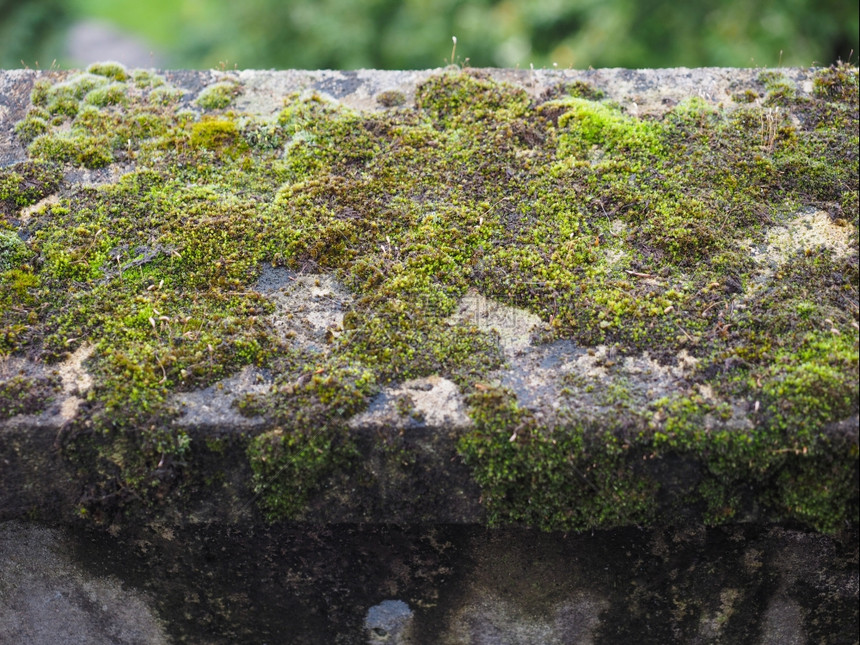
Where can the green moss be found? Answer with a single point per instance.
(403, 347)
(583, 90)
(617, 230)
(30, 128)
(121, 136)
(113, 71)
(780, 90)
(452, 97)
(218, 96)
(837, 83)
(813, 382)
(19, 289)
(40, 92)
(105, 121)
(26, 183)
(769, 466)
(310, 440)
(265, 136)
(146, 80)
(12, 250)
(165, 96)
(819, 488)
(404, 405)
(64, 98)
(92, 152)
(214, 134)
(113, 94)
(563, 478)
(64, 106)
(747, 96)
(586, 123)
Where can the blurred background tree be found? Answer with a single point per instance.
(403, 34)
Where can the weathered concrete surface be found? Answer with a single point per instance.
(163, 410)
(449, 585)
(47, 598)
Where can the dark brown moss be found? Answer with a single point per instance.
(27, 395)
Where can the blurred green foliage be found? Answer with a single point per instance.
(390, 34)
(31, 31)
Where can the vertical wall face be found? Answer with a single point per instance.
(273, 345)
(447, 584)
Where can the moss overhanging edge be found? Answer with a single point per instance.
(503, 176)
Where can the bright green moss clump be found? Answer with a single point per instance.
(213, 134)
(617, 231)
(218, 96)
(78, 150)
(113, 94)
(587, 123)
(114, 71)
(88, 120)
(34, 125)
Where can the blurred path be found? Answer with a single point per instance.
(90, 41)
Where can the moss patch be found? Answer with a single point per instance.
(566, 477)
(25, 184)
(218, 96)
(26, 395)
(214, 134)
(614, 230)
(114, 71)
(310, 440)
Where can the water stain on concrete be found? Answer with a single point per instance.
(46, 599)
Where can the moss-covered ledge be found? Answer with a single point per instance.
(568, 300)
